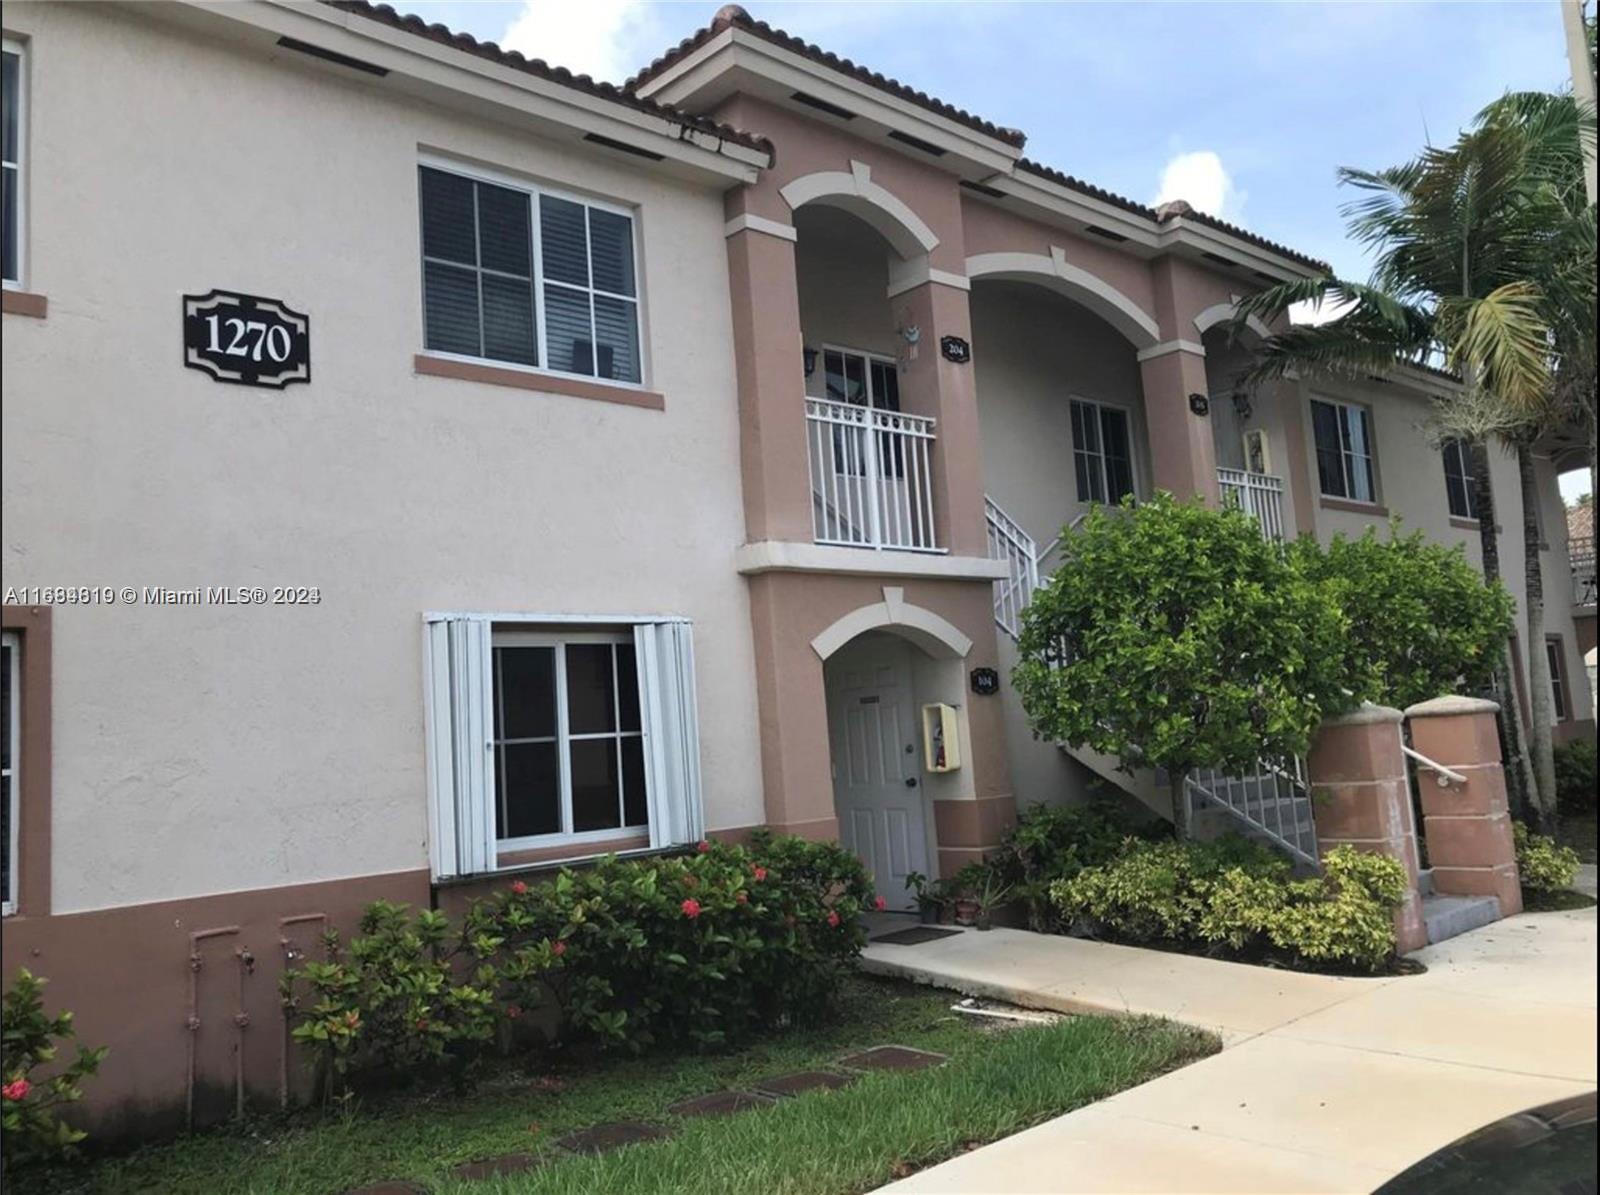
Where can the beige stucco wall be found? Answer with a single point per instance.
(201, 750)
(1410, 482)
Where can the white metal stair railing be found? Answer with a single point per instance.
(1275, 801)
(1010, 543)
(871, 480)
(1259, 495)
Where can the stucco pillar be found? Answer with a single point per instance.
(946, 390)
(796, 757)
(1182, 453)
(771, 374)
(1360, 797)
(1467, 825)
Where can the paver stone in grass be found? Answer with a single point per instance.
(390, 1187)
(601, 1137)
(720, 1103)
(892, 1058)
(494, 1167)
(802, 1081)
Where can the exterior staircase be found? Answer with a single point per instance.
(1272, 804)
(1449, 916)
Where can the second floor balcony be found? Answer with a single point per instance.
(1581, 557)
(871, 477)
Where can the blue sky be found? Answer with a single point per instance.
(1244, 109)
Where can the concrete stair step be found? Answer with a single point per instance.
(1449, 916)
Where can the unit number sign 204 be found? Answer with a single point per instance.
(246, 340)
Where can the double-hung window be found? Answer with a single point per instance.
(1560, 699)
(520, 275)
(1459, 479)
(549, 732)
(1343, 434)
(10, 814)
(11, 184)
(1102, 452)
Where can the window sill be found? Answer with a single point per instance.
(1462, 524)
(569, 852)
(526, 379)
(1355, 508)
(514, 864)
(22, 302)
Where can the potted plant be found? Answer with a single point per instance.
(993, 895)
(930, 902)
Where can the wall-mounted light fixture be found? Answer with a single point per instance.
(1242, 407)
(811, 360)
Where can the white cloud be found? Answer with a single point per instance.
(606, 39)
(1200, 179)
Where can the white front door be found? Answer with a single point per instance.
(877, 775)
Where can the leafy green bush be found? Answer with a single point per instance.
(702, 948)
(1422, 620)
(1575, 776)
(1543, 864)
(392, 1003)
(1050, 843)
(31, 1128)
(1177, 636)
(1237, 898)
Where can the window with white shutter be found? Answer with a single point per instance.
(518, 274)
(545, 731)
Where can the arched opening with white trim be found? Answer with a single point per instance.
(883, 666)
(1054, 272)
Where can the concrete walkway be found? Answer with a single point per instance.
(1324, 1084)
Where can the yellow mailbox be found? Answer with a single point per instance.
(941, 740)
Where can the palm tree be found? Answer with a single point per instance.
(1484, 263)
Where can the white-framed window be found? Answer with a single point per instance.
(1560, 699)
(10, 741)
(558, 730)
(1459, 478)
(13, 97)
(863, 380)
(526, 276)
(1343, 433)
(1102, 451)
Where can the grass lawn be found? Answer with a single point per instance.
(996, 1083)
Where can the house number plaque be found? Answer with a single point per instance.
(246, 340)
(985, 682)
(955, 349)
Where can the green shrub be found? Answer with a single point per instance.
(392, 1003)
(1423, 621)
(1236, 897)
(1575, 776)
(1543, 864)
(702, 948)
(31, 1128)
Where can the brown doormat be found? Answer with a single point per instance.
(915, 937)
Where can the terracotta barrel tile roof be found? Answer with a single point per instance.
(731, 15)
(466, 43)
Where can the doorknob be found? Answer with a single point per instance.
(911, 782)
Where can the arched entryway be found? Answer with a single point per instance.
(882, 664)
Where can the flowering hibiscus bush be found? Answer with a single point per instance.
(394, 1001)
(704, 947)
(31, 1128)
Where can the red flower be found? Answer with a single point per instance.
(558, 948)
(760, 873)
(513, 1011)
(691, 908)
(518, 887)
(422, 1022)
(879, 903)
(742, 898)
(702, 846)
(17, 1089)
(833, 918)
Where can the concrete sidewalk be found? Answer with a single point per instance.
(1324, 1084)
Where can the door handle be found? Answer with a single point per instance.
(911, 782)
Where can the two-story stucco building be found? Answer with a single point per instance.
(663, 461)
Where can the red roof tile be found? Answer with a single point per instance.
(468, 44)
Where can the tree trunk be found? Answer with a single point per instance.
(1518, 769)
(1177, 778)
(1542, 748)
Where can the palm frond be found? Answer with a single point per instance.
(1503, 340)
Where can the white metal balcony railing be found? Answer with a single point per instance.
(1582, 561)
(1259, 495)
(871, 482)
(1010, 543)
